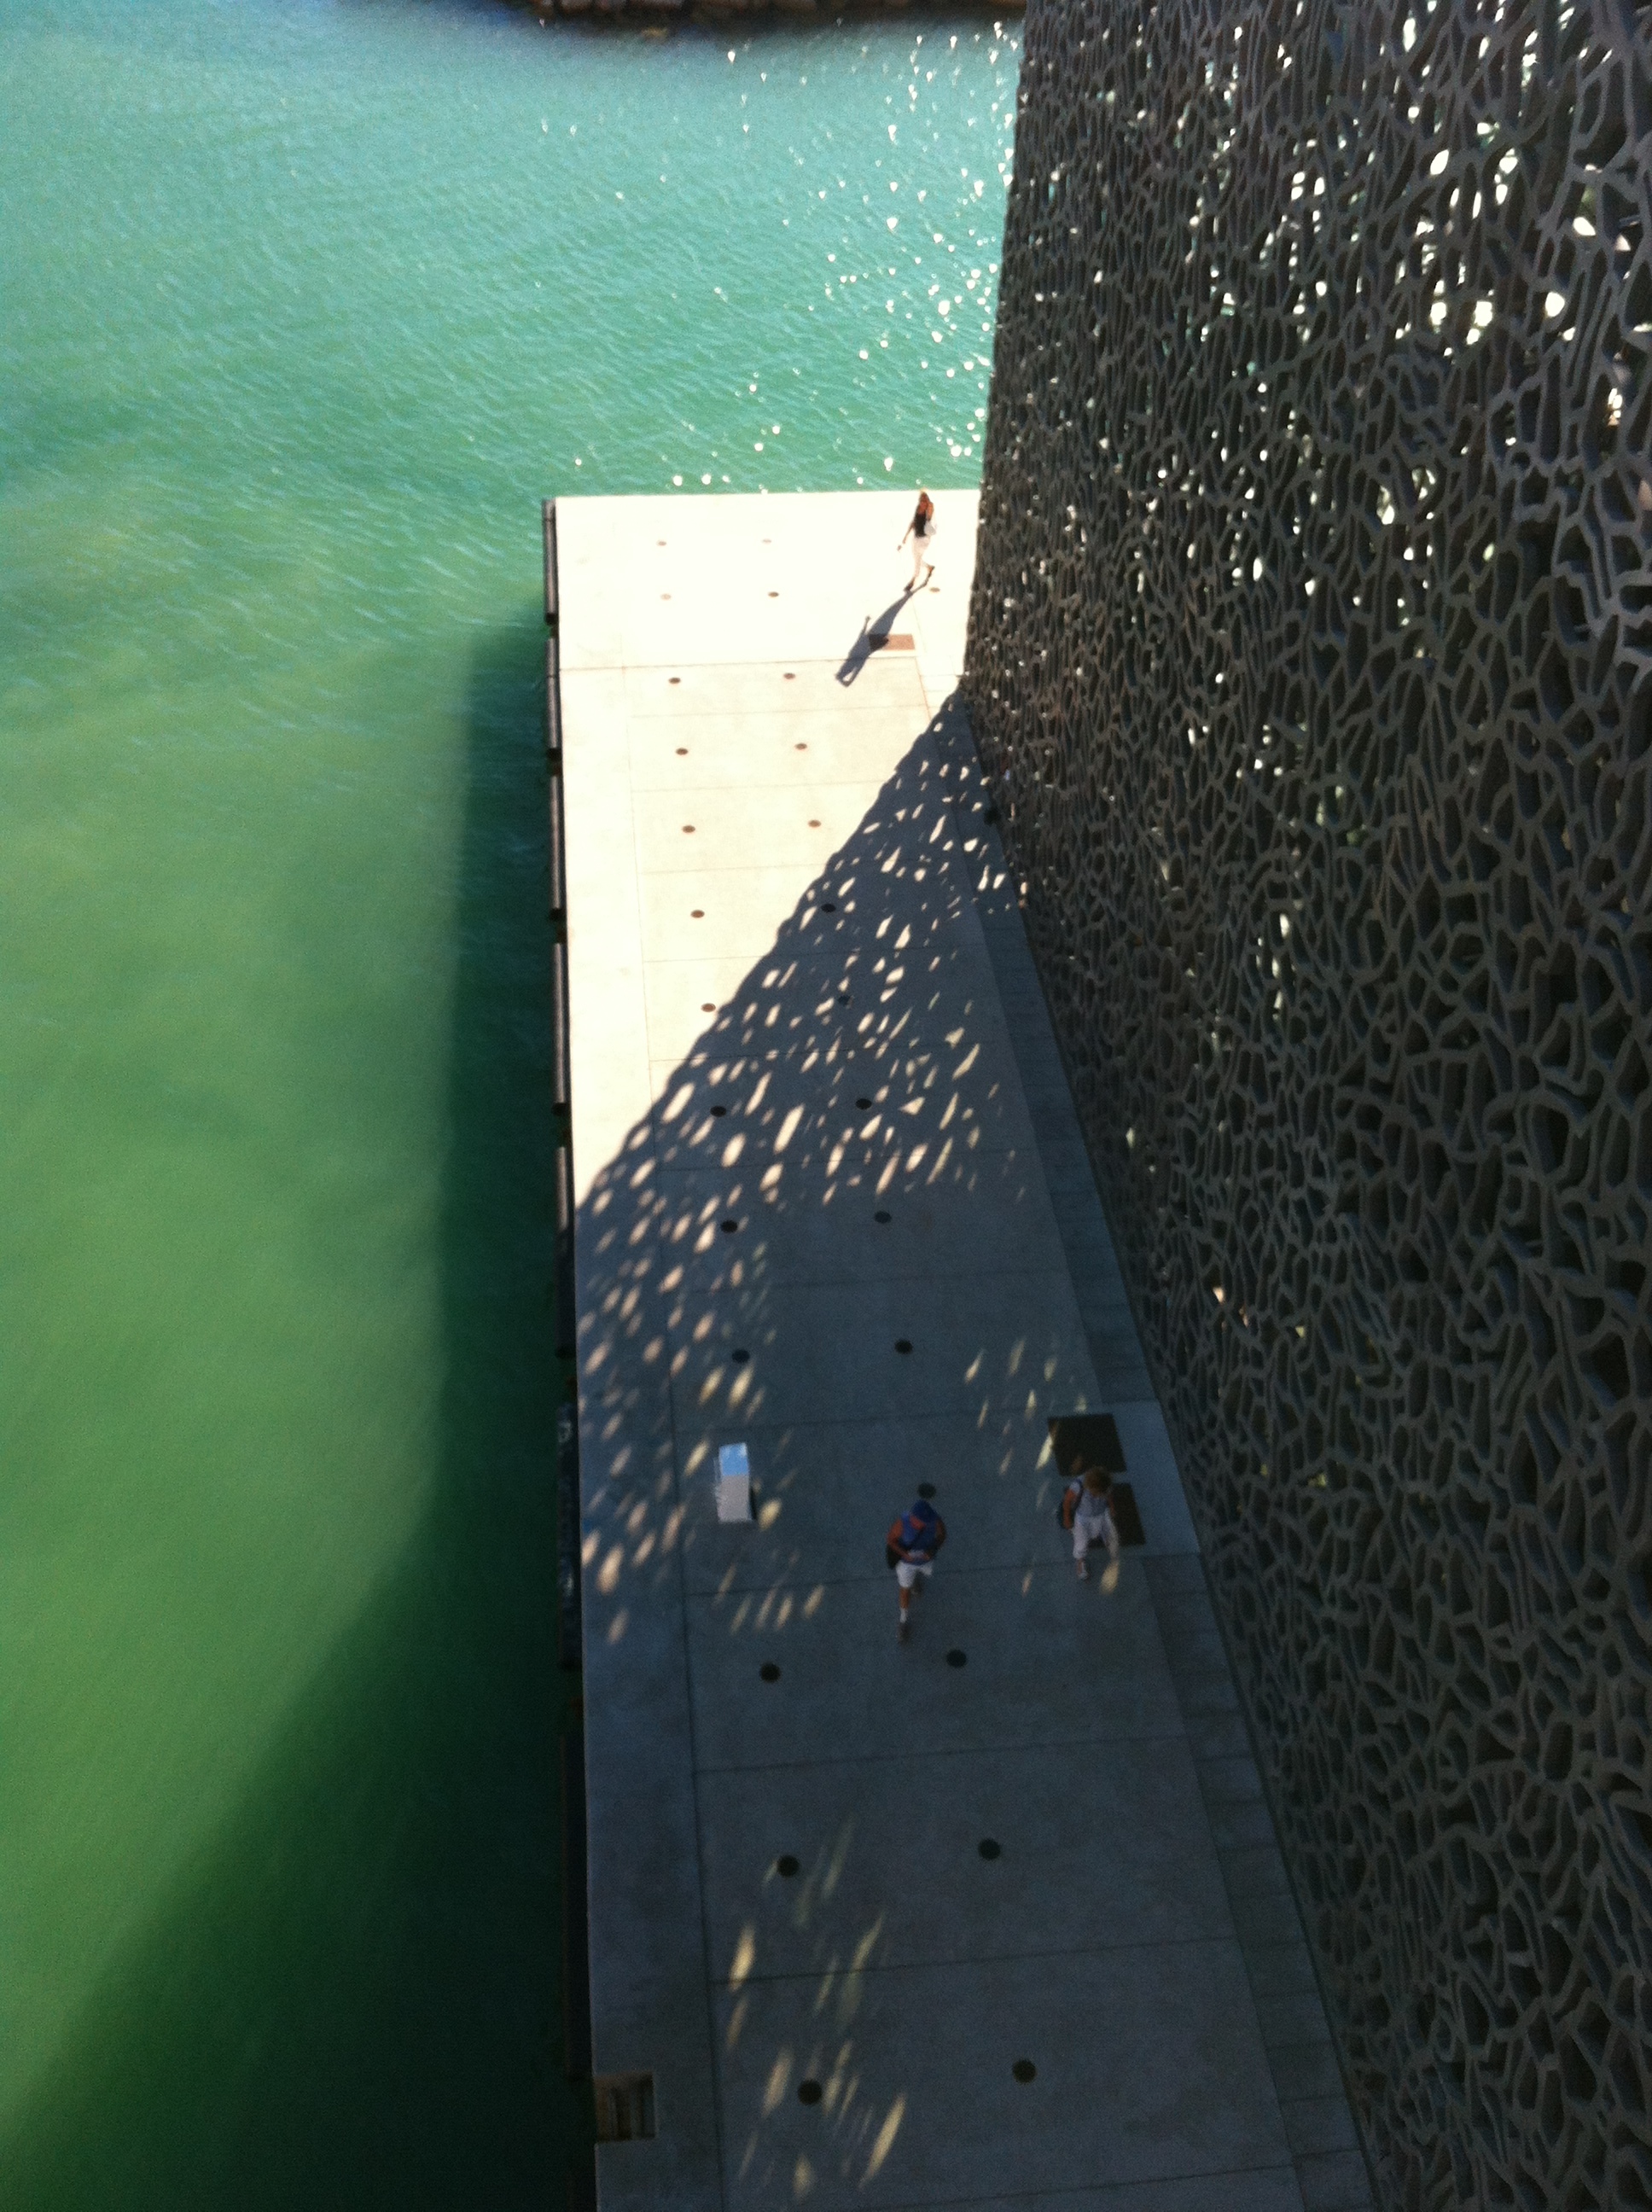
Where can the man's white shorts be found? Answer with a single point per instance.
(906, 1571)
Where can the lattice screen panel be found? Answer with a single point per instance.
(1311, 658)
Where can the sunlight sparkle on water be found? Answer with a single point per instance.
(791, 287)
(306, 307)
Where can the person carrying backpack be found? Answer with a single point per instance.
(914, 1539)
(1087, 1511)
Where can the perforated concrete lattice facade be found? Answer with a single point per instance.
(1311, 658)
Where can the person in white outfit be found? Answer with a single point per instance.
(1087, 1509)
(921, 531)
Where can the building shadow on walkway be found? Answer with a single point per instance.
(833, 1235)
(349, 1999)
(861, 1068)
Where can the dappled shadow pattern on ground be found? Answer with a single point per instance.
(845, 1147)
(860, 1066)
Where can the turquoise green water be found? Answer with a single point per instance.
(302, 310)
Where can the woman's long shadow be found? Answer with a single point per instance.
(350, 1999)
(874, 637)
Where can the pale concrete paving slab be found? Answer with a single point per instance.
(1267, 2189)
(699, 828)
(694, 915)
(802, 1862)
(1147, 2068)
(801, 1351)
(888, 682)
(727, 1221)
(915, 1206)
(678, 753)
(806, 1003)
(707, 599)
(1047, 1660)
(972, 1104)
(829, 995)
(683, 995)
(800, 1002)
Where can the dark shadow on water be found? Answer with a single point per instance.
(350, 2000)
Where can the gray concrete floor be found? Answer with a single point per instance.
(802, 1002)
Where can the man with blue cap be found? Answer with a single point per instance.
(914, 1539)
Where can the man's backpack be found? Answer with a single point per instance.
(908, 1532)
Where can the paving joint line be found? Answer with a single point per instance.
(983, 1959)
(959, 1751)
(1083, 2188)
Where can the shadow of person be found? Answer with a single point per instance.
(874, 636)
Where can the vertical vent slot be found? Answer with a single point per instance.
(625, 2107)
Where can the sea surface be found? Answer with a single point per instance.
(303, 308)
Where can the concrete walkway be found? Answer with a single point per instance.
(833, 1205)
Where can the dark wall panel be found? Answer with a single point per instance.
(1311, 648)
